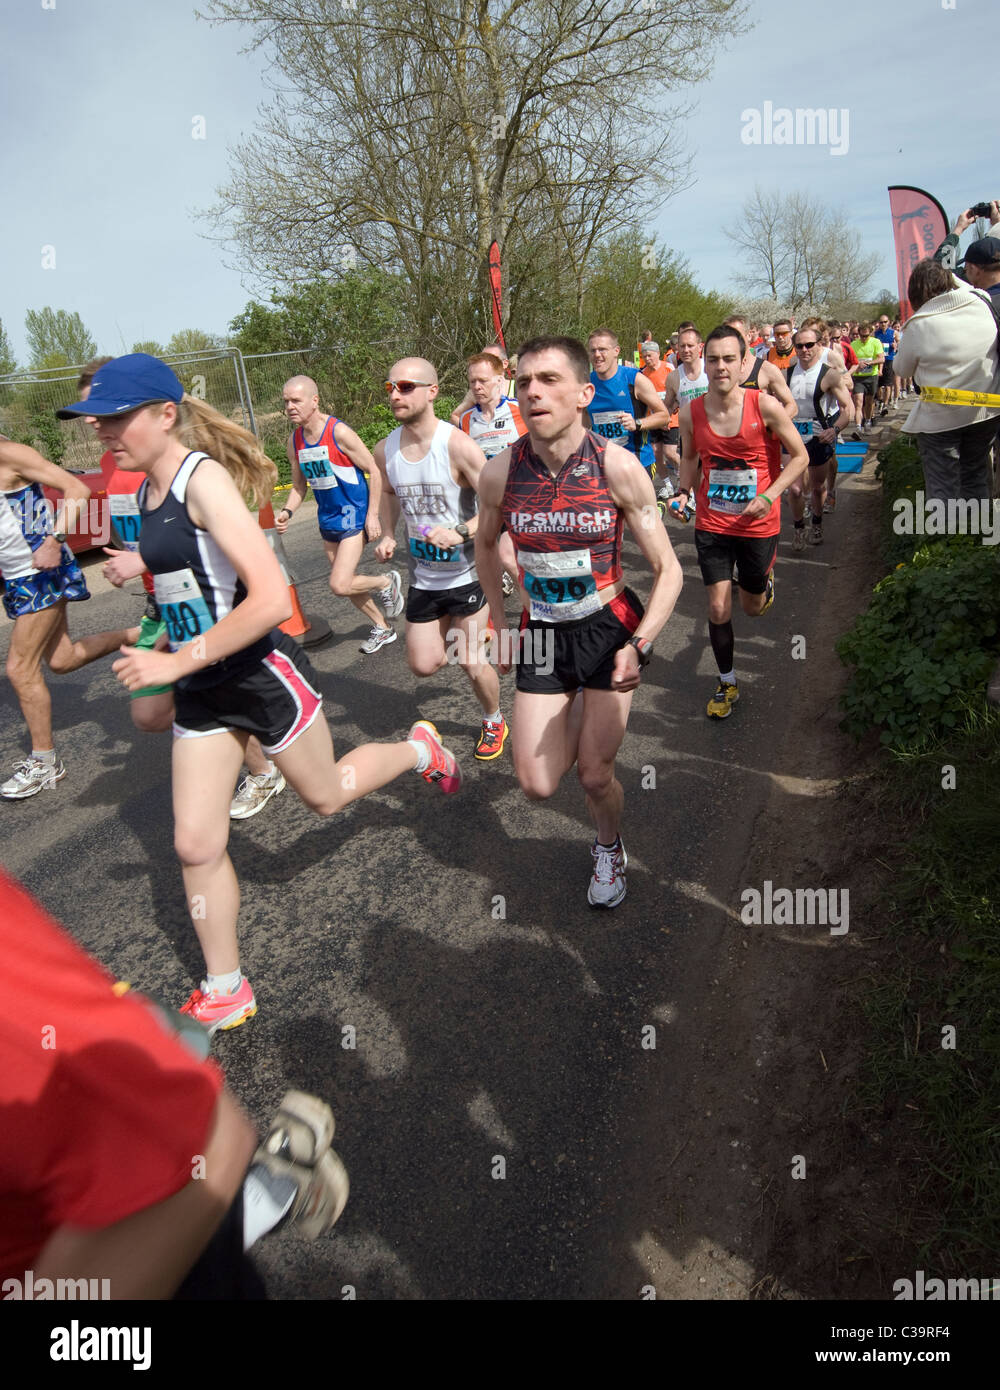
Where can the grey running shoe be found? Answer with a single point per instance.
(254, 792)
(815, 536)
(509, 587)
(391, 597)
(30, 777)
(296, 1158)
(379, 637)
(608, 886)
(798, 538)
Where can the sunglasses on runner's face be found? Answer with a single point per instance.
(405, 388)
(801, 347)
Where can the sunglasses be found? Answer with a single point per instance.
(800, 347)
(405, 388)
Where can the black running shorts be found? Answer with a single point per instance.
(752, 557)
(426, 605)
(555, 658)
(866, 385)
(276, 699)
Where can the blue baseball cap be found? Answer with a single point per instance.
(125, 383)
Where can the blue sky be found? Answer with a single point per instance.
(98, 99)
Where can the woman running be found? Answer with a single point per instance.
(221, 593)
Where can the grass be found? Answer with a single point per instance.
(942, 916)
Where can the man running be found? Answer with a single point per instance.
(35, 599)
(498, 351)
(727, 431)
(664, 442)
(329, 457)
(430, 471)
(565, 493)
(888, 386)
(817, 385)
(871, 355)
(781, 353)
(618, 393)
(494, 422)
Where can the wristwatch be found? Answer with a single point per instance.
(643, 649)
(59, 536)
(462, 530)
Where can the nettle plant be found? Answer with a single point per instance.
(924, 649)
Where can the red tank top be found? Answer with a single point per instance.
(734, 470)
(566, 530)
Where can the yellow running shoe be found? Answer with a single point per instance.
(720, 706)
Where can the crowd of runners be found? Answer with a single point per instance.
(513, 518)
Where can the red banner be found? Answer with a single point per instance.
(495, 287)
(919, 226)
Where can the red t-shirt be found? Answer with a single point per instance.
(850, 356)
(751, 460)
(122, 482)
(102, 1110)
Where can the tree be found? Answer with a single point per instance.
(798, 250)
(57, 338)
(193, 340)
(634, 286)
(152, 347)
(8, 362)
(410, 138)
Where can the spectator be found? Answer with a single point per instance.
(982, 257)
(950, 341)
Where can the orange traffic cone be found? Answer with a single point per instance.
(308, 631)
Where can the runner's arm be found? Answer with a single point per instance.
(792, 444)
(777, 386)
(632, 492)
(466, 403)
(388, 512)
(490, 487)
(834, 383)
(690, 458)
(29, 465)
(670, 391)
(299, 488)
(358, 452)
(467, 462)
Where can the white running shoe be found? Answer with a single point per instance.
(391, 597)
(666, 491)
(30, 777)
(608, 886)
(509, 587)
(254, 792)
(379, 637)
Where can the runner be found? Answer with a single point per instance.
(619, 390)
(664, 442)
(737, 522)
(781, 353)
(328, 456)
(871, 355)
(760, 375)
(152, 709)
(565, 493)
(888, 386)
(818, 386)
(507, 385)
(41, 577)
(430, 471)
(493, 423)
(221, 593)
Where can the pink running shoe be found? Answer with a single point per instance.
(214, 1011)
(443, 769)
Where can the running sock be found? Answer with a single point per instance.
(800, 524)
(225, 984)
(614, 845)
(728, 676)
(266, 1199)
(495, 717)
(423, 754)
(723, 642)
(818, 518)
(44, 755)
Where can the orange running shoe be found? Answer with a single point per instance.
(214, 1011)
(492, 739)
(443, 768)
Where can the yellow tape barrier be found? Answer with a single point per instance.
(943, 395)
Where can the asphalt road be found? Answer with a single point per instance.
(506, 1131)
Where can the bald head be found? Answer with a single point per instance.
(303, 384)
(301, 397)
(414, 369)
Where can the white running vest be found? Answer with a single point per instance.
(689, 390)
(428, 497)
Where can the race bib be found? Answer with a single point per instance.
(607, 423)
(319, 472)
(560, 584)
(435, 557)
(807, 428)
(182, 606)
(731, 490)
(127, 518)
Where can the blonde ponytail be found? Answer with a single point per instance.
(199, 426)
